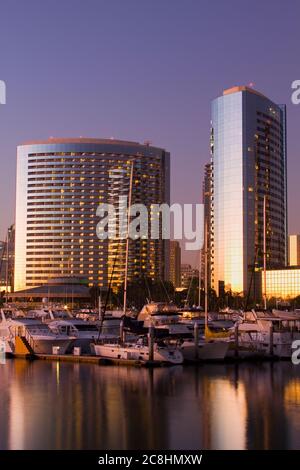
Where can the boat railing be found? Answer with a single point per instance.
(103, 341)
(29, 338)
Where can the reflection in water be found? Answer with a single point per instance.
(292, 409)
(228, 415)
(81, 406)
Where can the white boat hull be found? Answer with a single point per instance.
(45, 346)
(41, 346)
(210, 351)
(259, 343)
(84, 343)
(128, 352)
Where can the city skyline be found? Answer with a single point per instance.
(149, 231)
(170, 107)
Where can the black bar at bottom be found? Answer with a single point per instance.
(133, 459)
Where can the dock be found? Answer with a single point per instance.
(86, 359)
(89, 359)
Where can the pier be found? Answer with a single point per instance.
(89, 359)
(85, 359)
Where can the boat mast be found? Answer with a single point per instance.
(205, 274)
(127, 239)
(99, 305)
(265, 253)
(7, 267)
(200, 274)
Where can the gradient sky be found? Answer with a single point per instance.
(142, 70)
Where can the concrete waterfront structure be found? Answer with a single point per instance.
(248, 145)
(60, 183)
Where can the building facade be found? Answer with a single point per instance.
(3, 261)
(282, 284)
(248, 144)
(294, 250)
(175, 263)
(207, 200)
(7, 254)
(187, 274)
(60, 184)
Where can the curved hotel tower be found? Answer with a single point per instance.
(60, 183)
(248, 143)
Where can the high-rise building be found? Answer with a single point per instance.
(60, 183)
(248, 143)
(294, 250)
(175, 263)
(207, 200)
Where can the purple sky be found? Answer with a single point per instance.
(142, 70)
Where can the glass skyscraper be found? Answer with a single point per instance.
(248, 146)
(60, 183)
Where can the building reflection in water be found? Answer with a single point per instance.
(292, 410)
(82, 406)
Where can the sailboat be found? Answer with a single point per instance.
(211, 346)
(144, 349)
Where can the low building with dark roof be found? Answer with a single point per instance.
(66, 289)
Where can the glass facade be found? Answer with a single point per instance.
(294, 250)
(248, 144)
(60, 184)
(282, 284)
(227, 121)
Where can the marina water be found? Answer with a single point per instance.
(53, 405)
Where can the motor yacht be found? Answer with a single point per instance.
(82, 332)
(35, 335)
(265, 333)
(163, 317)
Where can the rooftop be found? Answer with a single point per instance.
(81, 140)
(53, 291)
(237, 89)
(57, 288)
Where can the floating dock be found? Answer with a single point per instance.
(88, 360)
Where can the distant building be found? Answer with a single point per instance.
(7, 253)
(175, 263)
(248, 145)
(2, 264)
(294, 250)
(187, 274)
(60, 184)
(282, 284)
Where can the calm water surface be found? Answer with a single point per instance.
(48, 405)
